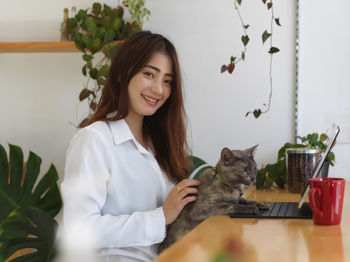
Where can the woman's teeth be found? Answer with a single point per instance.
(149, 99)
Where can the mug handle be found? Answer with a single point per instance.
(313, 191)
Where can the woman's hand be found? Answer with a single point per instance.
(178, 198)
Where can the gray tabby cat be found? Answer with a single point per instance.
(220, 193)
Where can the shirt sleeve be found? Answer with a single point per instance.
(84, 192)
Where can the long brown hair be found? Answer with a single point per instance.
(166, 128)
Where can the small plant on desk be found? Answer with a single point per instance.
(276, 174)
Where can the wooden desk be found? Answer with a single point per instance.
(266, 239)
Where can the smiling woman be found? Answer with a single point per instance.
(130, 153)
(152, 85)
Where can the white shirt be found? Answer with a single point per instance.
(117, 188)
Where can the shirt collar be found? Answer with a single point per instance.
(122, 133)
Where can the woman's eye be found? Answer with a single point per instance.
(148, 74)
(168, 82)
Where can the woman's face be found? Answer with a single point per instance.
(151, 86)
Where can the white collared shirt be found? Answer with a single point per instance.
(116, 187)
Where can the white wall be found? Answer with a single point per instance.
(324, 81)
(39, 92)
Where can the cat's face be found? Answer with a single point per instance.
(237, 166)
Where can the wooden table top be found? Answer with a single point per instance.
(252, 239)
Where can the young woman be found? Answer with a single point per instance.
(122, 166)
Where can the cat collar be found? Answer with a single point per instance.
(218, 176)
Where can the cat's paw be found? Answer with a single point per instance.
(263, 205)
(252, 209)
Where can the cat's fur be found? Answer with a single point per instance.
(238, 168)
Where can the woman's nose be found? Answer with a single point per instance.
(157, 88)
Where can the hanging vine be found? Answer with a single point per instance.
(272, 50)
(245, 39)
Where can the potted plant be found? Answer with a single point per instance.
(276, 174)
(27, 208)
(102, 28)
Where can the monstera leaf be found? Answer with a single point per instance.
(41, 228)
(17, 188)
(27, 206)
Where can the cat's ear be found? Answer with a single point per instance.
(226, 154)
(251, 151)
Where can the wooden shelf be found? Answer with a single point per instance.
(37, 47)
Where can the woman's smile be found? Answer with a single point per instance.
(150, 100)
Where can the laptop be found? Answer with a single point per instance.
(302, 209)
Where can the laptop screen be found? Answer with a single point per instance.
(330, 142)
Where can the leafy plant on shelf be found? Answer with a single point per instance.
(27, 208)
(102, 28)
(276, 174)
(234, 60)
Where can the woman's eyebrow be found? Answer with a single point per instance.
(158, 70)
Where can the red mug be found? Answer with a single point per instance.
(326, 199)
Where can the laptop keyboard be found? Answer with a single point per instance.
(281, 210)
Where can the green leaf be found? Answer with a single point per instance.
(117, 23)
(103, 71)
(87, 57)
(331, 158)
(96, 45)
(264, 1)
(45, 195)
(4, 168)
(245, 39)
(101, 81)
(239, 2)
(109, 36)
(273, 50)
(107, 10)
(114, 50)
(260, 179)
(87, 40)
(96, 8)
(81, 14)
(101, 32)
(313, 138)
(323, 137)
(275, 171)
(32, 221)
(106, 22)
(195, 163)
(83, 70)
(78, 39)
(84, 94)
(93, 73)
(257, 113)
(265, 36)
(222, 257)
(91, 24)
(232, 59)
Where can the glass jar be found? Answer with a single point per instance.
(300, 166)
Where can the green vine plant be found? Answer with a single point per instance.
(272, 50)
(101, 29)
(245, 39)
(137, 11)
